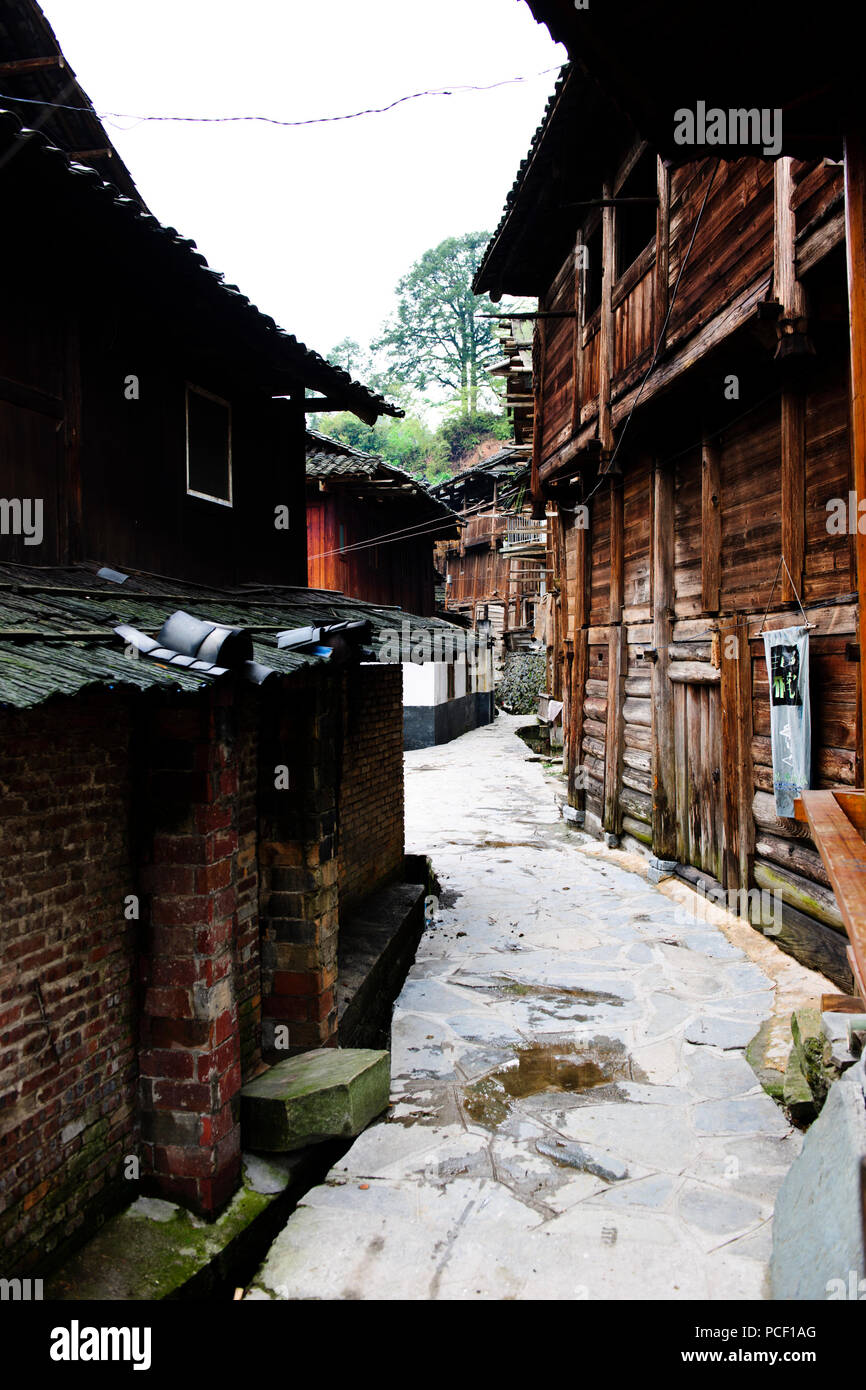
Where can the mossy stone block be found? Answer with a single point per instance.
(330, 1093)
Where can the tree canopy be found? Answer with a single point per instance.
(436, 335)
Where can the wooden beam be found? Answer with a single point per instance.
(577, 342)
(841, 847)
(54, 60)
(729, 656)
(30, 398)
(694, 673)
(787, 289)
(745, 731)
(614, 739)
(539, 345)
(605, 346)
(855, 226)
(663, 226)
(711, 527)
(793, 490)
(664, 799)
(576, 787)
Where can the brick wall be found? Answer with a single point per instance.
(298, 893)
(167, 904)
(190, 1038)
(67, 1056)
(370, 807)
(247, 962)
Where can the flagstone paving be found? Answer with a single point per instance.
(572, 1116)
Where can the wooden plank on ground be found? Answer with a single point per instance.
(844, 854)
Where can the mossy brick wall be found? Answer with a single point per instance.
(67, 1055)
(190, 1037)
(298, 868)
(247, 962)
(370, 807)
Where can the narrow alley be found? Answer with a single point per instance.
(573, 1115)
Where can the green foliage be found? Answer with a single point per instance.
(436, 342)
(523, 679)
(462, 433)
(436, 336)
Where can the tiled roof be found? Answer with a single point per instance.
(126, 216)
(57, 628)
(480, 283)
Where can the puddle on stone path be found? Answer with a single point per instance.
(540, 1068)
(551, 994)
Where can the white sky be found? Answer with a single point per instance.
(315, 225)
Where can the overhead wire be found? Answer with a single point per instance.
(404, 532)
(452, 90)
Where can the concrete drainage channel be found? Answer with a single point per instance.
(155, 1249)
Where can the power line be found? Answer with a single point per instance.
(405, 532)
(273, 120)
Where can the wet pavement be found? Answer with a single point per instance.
(573, 1115)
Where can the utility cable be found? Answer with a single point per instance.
(273, 120)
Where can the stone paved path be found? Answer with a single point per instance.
(573, 1115)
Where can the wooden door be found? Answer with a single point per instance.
(698, 751)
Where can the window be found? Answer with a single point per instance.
(636, 222)
(342, 540)
(208, 446)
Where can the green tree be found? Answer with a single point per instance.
(436, 335)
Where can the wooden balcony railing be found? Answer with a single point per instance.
(524, 530)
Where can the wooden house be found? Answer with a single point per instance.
(692, 429)
(371, 533)
(496, 575)
(201, 759)
(371, 527)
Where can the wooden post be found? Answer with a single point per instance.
(793, 490)
(580, 603)
(614, 738)
(577, 342)
(538, 355)
(786, 287)
(664, 809)
(711, 527)
(576, 788)
(855, 241)
(746, 770)
(730, 700)
(605, 346)
(663, 223)
(617, 556)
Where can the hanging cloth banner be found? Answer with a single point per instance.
(787, 652)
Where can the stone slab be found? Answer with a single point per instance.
(329, 1093)
(818, 1227)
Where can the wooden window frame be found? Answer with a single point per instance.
(193, 492)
